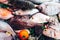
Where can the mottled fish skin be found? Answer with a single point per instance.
(50, 8)
(53, 31)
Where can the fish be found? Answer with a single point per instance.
(53, 31)
(5, 14)
(39, 18)
(6, 27)
(4, 36)
(27, 12)
(42, 1)
(50, 8)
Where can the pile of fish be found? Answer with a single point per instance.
(48, 11)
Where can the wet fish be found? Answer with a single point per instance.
(5, 14)
(6, 27)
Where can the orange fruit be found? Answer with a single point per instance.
(23, 34)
